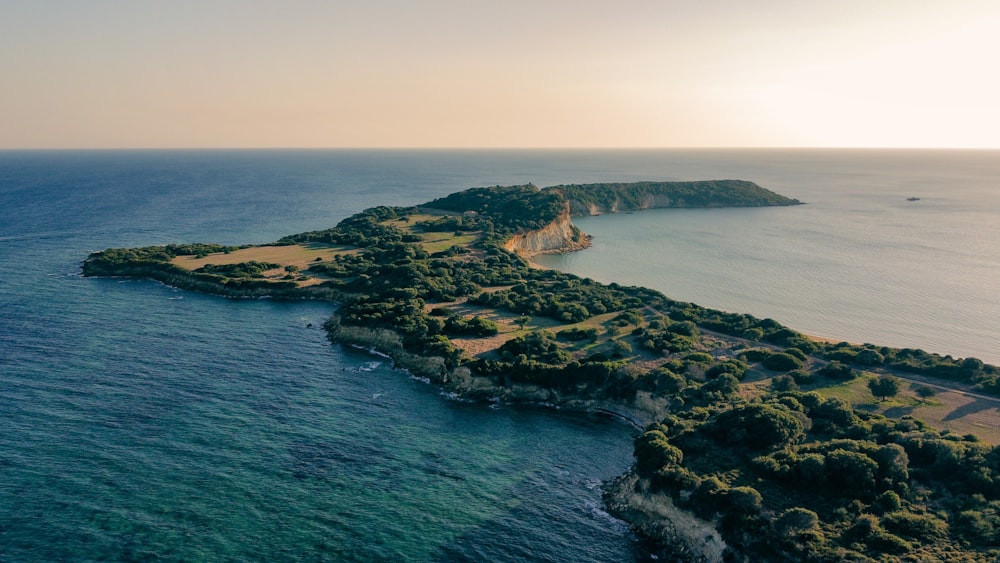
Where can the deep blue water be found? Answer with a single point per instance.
(141, 421)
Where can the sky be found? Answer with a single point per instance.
(488, 74)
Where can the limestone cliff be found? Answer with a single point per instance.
(646, 201)
(560, 235)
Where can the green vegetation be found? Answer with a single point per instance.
(751, 424)
(642, 195)
(509, 209)
(884, 387)
(793, 476)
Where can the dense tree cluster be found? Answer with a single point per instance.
(794, 476)
(365, 229)
(668, 338)
(510, 209)
(153, 254)
(559, 296)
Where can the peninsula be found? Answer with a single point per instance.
(752, 444)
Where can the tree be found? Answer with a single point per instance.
(925, 392)
(852, 474)
(884, 387)
(758, 425)
(522, 321)
(653, 451)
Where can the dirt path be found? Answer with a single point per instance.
(940, 384)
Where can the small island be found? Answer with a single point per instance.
(750, 444)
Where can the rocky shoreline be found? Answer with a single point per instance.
(652, 515)
(677, 533)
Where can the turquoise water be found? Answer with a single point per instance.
(144, 422)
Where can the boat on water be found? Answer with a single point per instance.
(913, 199)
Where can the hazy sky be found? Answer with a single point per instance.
(538, 73)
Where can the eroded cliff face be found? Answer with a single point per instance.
(649, 201)
(560, 235)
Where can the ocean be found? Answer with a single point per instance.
(144, 422)
(895, 248)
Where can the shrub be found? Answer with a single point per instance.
(795, 521)
(783, 383)
(924, 527)
(838, 370)
(869, 357)
(782, 362)
(756, 354)
(745, 500)
(698, 358)
(735, 367)
(796, 353)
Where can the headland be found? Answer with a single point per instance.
(749, 428)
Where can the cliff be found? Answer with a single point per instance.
(560, 235)
(619, 204)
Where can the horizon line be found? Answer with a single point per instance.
(488, 148)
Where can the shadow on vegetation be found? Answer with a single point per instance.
(896, 412)
(970, 408)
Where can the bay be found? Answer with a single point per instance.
(862, 261)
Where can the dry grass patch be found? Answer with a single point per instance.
(299, 255)
(954, 410)
(438, 242)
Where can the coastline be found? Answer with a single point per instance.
(388, 315)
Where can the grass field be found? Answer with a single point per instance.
(954, 410)
(437, 242)
(300, 255)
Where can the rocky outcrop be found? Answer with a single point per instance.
(461, 382)
(684, 536)
(558, 236)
